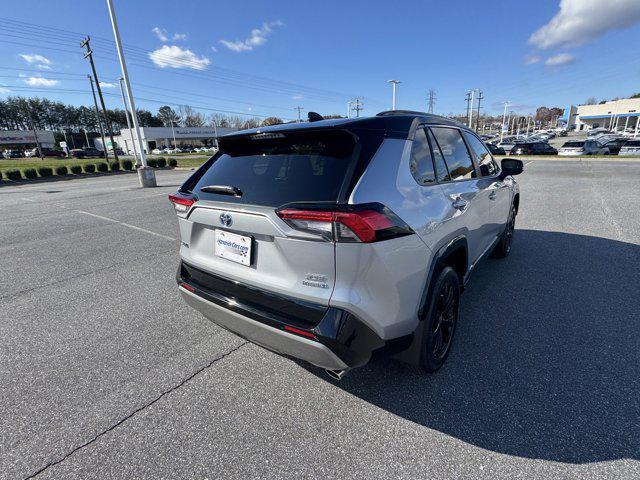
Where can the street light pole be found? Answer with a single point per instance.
(126, 114)
(393, 83)
(146, 175)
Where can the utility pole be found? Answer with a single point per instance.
(86, 137)
(473, 91)
(126, 113)
(146, 175)
(349, 109)
(33, 128)
(89, 55)
(95, 104)
(299, 109)
(357, 106)
(394, 84)
(528, 123)
(468, 100)
(480, 97)
(504, 119)
(432, 100)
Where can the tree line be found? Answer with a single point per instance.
(20, 113)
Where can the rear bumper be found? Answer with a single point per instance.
(323, 336)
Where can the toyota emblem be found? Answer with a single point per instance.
(225, 219)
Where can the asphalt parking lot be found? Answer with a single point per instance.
(105, 373)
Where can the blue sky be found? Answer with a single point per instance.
(265, 58)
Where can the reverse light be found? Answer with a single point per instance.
(352, 223)
(182, 203)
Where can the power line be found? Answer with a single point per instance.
(358, 106)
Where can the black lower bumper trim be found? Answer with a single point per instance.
(340, 331)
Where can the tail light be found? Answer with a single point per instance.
(365, 223)
(182, 202)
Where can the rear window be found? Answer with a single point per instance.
(276, 168)
(632, 143)
(573, 144)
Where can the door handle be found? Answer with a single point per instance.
(492, 195)
(460, 203)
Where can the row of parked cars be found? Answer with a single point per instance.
(186, 149)
(599, 144)
(46, 152)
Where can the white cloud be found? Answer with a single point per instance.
(41, 82)
(531, 59)
(257, 37)
(297, 97)
(107, 85)
(214, 49)
(179, 36)
(173, 56)
(161, 33)
(4, 89)
(560, 59)
(40, 61)
(581, 21)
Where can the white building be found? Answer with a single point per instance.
(25, 139)
(158, 137)
(614, 115)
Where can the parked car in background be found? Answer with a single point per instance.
(597, 131)
(33, 152)
(50, 152)
(12, 154)
(77, 153)
(562, 133)
(494, 149)
(332, 242)
(157, 151)
(92, 152)
(579, 147)
(533, 148)
(630, 148)
(614, 145)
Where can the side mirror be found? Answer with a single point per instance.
(511, 166)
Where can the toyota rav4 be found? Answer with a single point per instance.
(334, 241)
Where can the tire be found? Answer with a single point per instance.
(503, 248)
(440, 323)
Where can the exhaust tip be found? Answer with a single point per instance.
(336, 374)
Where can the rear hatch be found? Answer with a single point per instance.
(632, 147)
(233, 226)
(572, 147)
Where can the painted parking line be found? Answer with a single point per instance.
(128, 225)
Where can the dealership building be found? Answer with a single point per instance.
(614, 115)
(159, 137)
(25, 139)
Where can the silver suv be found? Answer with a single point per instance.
(334, 241)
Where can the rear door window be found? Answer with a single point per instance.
(442, 173)
(456, 155)
(274, 169)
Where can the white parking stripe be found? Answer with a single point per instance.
(126, 225)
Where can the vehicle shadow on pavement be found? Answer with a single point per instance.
(546, 359)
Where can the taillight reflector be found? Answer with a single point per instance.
(186, 286)
(299, 331)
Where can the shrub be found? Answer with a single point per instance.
(102, 167)
(61, 170)
(115, 166)
(76, 169)
(13, 174)
(173, 162)
(152, 162)
(45, 171)
(30, 173)
(161, 163)
(89, 168)
(126, 164)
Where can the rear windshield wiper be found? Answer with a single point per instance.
(222, 190)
